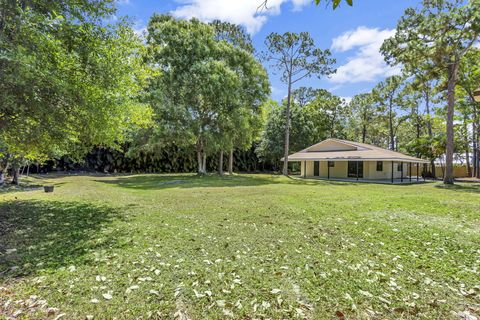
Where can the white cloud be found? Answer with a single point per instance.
(347, 99)
(299, 4)
(243, 12)
(141, 31)
(140, 28)
(367, 64)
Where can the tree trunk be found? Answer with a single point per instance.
(416, 116)
(16, 176)
(443, 169)
(476, 146)
(467, 145)
(418, 122)
(474, 140)
(427, 106)
(364, 124)
(332, 126)
(477, 139)
(469, 166)
(287, 128)
(474, 151)
(434, 173)
(201, 157)
(390, 124)
(200, 163)
(429, 128)
(452, 79)
(220, 163)
(2, 178)
(230, 162)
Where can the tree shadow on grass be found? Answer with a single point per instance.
(36, 235)
(29, 184)
(161, 181)
(470, 187)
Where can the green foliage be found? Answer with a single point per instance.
(335, 3)
(388, 96)
(468, 82)
(439, 32)
(68, 81)
(469, 74)
(243, 123)
(319, 116)
(271, 147)
(206, 88)
(327, 113)
(428, 147)
(233, 34)
(167, 159)
(434, 38)
(304, 95)
(296, 56)
(363, 120)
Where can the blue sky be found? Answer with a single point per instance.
(353, 34)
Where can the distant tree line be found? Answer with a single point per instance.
(168, 159)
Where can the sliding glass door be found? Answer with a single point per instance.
(355, 167)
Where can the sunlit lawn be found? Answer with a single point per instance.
(248, 246)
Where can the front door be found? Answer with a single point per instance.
(354, 167)
(316, 168)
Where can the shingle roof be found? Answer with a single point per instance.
(343, 150)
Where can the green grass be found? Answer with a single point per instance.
(247, 246)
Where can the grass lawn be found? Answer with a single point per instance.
(245, 247)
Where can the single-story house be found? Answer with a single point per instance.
(341, 159)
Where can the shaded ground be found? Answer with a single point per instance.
(39, 235)
(243, 247)
(469, 179)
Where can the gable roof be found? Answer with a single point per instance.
(343, 150)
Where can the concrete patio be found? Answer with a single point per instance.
(405, 180)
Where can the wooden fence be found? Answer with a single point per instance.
(458, 171)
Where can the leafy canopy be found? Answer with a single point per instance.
(68, 81)
(296, 56)
(206, 88)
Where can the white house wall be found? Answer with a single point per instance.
(369, 170)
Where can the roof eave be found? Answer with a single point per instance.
(293, 159)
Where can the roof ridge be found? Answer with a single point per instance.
(356, 144)
(349, 143)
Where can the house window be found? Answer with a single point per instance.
(316, 168)
(331, 164)
(399, 167)
(379, 165)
